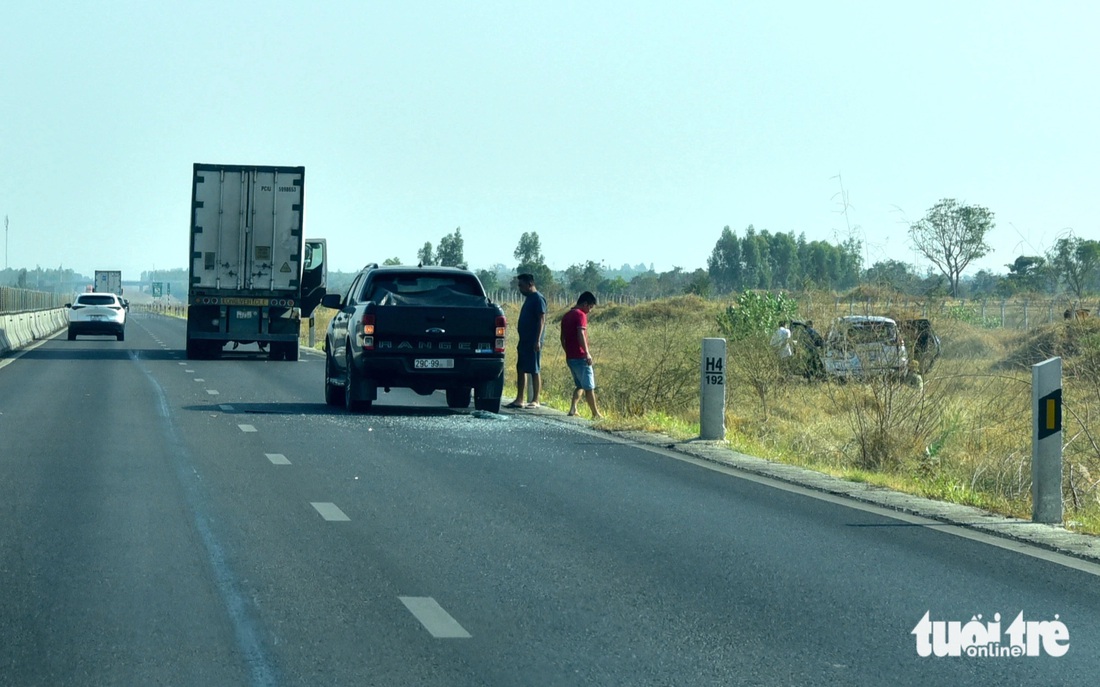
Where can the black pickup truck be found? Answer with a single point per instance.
(420, 328)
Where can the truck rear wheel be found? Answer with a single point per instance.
(292, 351)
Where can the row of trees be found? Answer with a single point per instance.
(48, 280)
(1073, 265)
(952, 235)
(762, 260)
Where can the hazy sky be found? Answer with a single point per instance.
(622, 132)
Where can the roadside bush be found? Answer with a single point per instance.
(748, 326)
(892, 420)
(648, 369)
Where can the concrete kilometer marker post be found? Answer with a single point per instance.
(712, 394)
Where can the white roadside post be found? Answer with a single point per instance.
(1046, 444)
(712, 395)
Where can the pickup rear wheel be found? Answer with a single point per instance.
(491, 405)
(489, 393)
(458, 397)
(334, 394)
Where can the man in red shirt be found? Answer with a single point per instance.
(574, 339)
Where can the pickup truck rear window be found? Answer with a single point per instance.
(421, 288)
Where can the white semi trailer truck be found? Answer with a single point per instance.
(253, 274)
(108, 281)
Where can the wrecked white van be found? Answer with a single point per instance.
(863, 345)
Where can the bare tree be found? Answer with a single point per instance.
(952, 236)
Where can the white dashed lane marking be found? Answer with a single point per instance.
(213, 392)
(435, 620)
(199, 379)
(226, 408)
(277, 459)
(330, 512)
(247, 428)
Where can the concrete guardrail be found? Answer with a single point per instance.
(21, 328)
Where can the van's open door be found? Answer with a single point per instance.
(314, 275)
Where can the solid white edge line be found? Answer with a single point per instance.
(435, 620)
(16, 355)
(939, 525)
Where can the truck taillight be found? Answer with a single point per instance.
(368, 332)
(502, 327)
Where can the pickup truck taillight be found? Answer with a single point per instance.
(502, 327)
(368, 332)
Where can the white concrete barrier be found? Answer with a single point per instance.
(19, 329)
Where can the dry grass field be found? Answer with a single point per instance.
(962, 433)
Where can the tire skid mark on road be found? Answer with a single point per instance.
(240, 612)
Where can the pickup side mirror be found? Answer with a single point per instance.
(331, 300)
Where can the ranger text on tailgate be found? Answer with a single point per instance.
(421, 328)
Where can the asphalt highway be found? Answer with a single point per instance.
(174, 522)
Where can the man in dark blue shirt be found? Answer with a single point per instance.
(531, 327)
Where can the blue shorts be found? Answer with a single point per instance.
(528, 360)
(583, 376)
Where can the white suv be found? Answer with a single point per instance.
(861, 345)
(97, 313)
